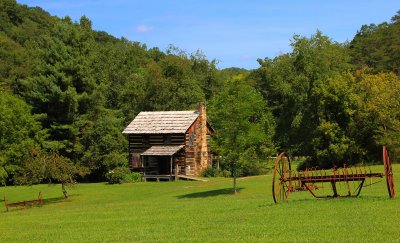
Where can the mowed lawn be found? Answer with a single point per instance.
(199, 212)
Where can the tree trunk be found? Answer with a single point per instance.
(234, 178)
(64, 191)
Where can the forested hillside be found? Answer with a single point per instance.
(68, 91)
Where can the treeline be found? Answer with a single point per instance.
(68, 91)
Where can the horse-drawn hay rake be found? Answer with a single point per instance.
(285, 181)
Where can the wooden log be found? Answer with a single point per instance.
(170, 168)
(176, 171)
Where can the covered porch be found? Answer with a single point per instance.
(160, 162)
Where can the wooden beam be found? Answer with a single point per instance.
(176, 171)
(170, 168)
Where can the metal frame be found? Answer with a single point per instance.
(285, 181)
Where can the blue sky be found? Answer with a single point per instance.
(235, 33)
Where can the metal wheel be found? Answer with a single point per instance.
(388, 173)
(281, 187)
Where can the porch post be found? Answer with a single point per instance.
(170, 168)
(144, 168)
(176, 171)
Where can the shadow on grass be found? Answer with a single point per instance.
(342, 199)
(45, 201)
(60, 199)
(212, 193)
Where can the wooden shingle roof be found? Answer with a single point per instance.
(163, 150)
(161, 122)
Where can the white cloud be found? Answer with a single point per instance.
(144, 28)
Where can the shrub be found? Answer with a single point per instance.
(133, 177)
(215, 172)
(117, 175)
(226, 173)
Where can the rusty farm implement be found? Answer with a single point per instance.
(353, 179)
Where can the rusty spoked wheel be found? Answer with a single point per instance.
(388, 173)
(280, 185)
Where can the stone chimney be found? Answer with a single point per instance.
(203, 136)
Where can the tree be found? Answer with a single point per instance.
(292, 84)
(102, 145)
(19, 133)
(245, 128)
(377, 46)
(378, 115)
(333, 142)
(51, 167)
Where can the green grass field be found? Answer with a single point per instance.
(199, 212)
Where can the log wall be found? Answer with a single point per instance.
(188, 162)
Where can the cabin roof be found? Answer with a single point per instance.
(163, 150)
(161, 122)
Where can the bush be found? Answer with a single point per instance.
(133, 177)
(123, 175)
(226, 173)
(215, 172)
(118, 175)
(3, 176)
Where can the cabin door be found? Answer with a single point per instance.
(164, 165)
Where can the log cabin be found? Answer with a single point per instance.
(169, 144)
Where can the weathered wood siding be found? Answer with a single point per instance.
(139, 143)
(188, 162)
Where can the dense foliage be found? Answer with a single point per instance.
(68, 91)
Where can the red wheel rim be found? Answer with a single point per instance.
(388, 173)
(281, 186)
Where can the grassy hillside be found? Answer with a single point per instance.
(198, 211)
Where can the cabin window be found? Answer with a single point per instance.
(192, 138)
(167, 139)
(145, 139)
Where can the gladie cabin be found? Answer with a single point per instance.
(167, 144)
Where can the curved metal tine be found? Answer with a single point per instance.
(306, 175)
(365, 172)
(370, 172)
(322, 181)
(346, 178)
(302, 178)
(356, 169)
(338, 176)
(313, 173)
(353, 175)
(298, 179)
(343, 175)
